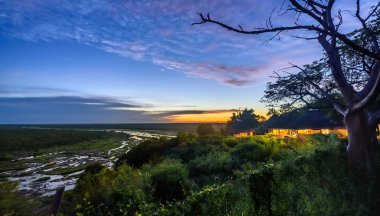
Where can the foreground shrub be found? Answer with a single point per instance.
(169, 181)
(11, 203)
(260, 175)
(231, 141)
(205, 129)
(145, 151)
(211, 168)
(247, 152)
(219, 200)
(129, 191)
(108, 192)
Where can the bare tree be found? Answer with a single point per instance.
(360, 122)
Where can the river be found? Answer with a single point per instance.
(37, 178)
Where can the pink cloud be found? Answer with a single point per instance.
(230, 75)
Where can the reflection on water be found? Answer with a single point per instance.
(35, 174)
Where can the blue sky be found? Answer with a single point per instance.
(136, 61)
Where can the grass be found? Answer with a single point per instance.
(32, 140)
(66, 170)
(16, 165)
(94, 145)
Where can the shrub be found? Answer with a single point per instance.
(245, 152)
(207, 169)
(145, 151)
(128, 192)
(11, 203)
(231, 141)
(205, 129)
(169, 180)
(94, 168)
(261, 190)
(93, 188)
(108, 192)
(220, 200)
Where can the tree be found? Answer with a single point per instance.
(342, 50)
(242, 121)
(205, 129)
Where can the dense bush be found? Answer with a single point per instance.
(205, 129)
(120, 191)
(217, 175)
(247, 152)
(11, 203)
(145, 151)
(260, 175)
(211, 168)
(169, 181)
(231, 141)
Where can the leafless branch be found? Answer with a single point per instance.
(328, 28)
(370, 33)
(259, 30)
(333, 102)
(372, 92)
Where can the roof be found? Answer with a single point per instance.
(240, 127)
(304, 119)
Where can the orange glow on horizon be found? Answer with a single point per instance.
(212, 117)
(221, 117)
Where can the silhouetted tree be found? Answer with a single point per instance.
(242, 121)
(342, 50)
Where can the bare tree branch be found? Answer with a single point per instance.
(372, 95)
(259, 30)
(374, 76)
(333, 102)
(328, 27)
(336, 68)
(370, 33)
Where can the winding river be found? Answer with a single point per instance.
(36, 178)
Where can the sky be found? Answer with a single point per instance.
(140, 61)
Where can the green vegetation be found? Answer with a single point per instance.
(23, 141)
(11, 203)
(218, 175)
(244, 120)
(205, 129)
(211, 174)
(66, 170)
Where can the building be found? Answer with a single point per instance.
(243, 134)
(305, 122)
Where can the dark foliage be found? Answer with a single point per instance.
(205, 129)
(243, 121)
(12, 139)
(145, 151)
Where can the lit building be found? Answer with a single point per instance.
(305, 122)
(244, 134)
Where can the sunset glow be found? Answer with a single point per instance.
(221, 117)
(216, 117)
(135, 61)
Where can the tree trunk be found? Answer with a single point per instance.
(362, 150)
(361, 139)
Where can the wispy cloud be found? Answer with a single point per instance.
(160, 32)
(155, 31)
(36, 91)
(69, 110)
(232, 75)
(74, 109)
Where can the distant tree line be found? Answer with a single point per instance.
(23, 139)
